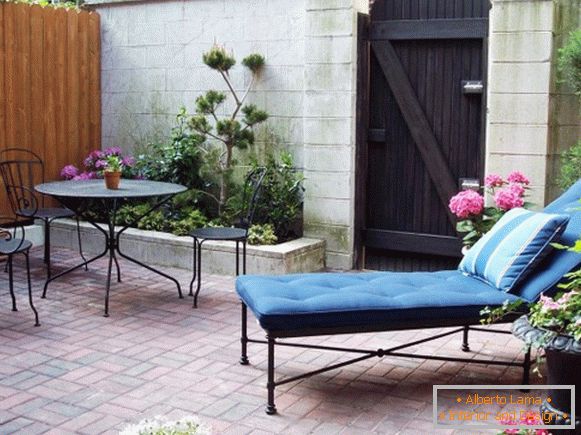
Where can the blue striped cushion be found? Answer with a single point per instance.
(510, 250)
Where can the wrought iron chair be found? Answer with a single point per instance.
(21, 170)
(238, 233)
(12, 243)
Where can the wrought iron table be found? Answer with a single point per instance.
(84, 196)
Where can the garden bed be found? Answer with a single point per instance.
(164, 249)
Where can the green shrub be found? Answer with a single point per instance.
(570, 166)
(570, 61)
(280, 203)
(178, 161)
(190, 221)
(262, 235)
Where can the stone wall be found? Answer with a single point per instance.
(152, 64)
(531, 116)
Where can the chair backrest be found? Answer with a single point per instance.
(551, 271)
(21, 170)
(251, 195)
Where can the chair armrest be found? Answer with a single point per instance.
(7, 223)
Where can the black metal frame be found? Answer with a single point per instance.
(112, 244)
(250, 198)
(6, 235)
(197, 264)
(271, 341)
(20, 184)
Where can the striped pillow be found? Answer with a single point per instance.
(511, 249)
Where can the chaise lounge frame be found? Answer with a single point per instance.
(464, 327)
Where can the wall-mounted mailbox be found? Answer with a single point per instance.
(472, 87)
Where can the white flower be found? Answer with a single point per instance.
(159, 425)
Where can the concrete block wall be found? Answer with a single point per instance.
(152, 64)
(531, 118)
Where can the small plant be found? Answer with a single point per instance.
(189, 221)
(161, 426)
(527, 419)
(228, 131)
(475, 219)
(113, 164)
(280, 202)
(570, 166)
(570, 61)
(262, 235)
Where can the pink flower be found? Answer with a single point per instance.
(565, 298)
(85, 176)
(517, 177)
(517, 189)
(507, 199)
(467, 203)
(113, 151)
(549, 303)
(128, 161)
(69, 172)
(493, 180)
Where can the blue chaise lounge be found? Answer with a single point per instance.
(347, 303)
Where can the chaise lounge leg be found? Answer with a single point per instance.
(270, 407)
(465, 346)
(526, 367)
(244, 337)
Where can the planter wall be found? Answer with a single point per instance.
(153, 247)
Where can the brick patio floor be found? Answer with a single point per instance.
(83, 373)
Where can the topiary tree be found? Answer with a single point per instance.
(230, 132)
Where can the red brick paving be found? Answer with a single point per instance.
(83, 373)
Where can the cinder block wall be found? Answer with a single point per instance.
(531, 116)
(152, 64)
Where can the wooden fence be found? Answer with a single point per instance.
(50, 87)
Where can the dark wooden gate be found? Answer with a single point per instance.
(421, 127)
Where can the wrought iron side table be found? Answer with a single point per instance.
(83, 196)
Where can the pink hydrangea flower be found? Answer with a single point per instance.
(493, 180)
(517, 189)
(466, 203)
(517, 177)
(507, 199)
(69, 172)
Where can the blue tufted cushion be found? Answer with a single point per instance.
(335, 300)
(513, 247)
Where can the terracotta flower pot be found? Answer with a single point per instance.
(112, 179)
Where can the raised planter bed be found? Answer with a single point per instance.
(163, 249)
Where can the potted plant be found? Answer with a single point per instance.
(112, 171)
(552, 325)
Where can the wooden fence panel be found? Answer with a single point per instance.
(50, 90)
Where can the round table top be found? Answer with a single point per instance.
(96, 189)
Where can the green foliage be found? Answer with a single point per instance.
(281, 196)
(570, 166)
(179, 160)
(254, 62)
(473, 229)
(190, 220)
(262, 235)
(219, 59)
(570, 61)
(114, 164)
(46, 3)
